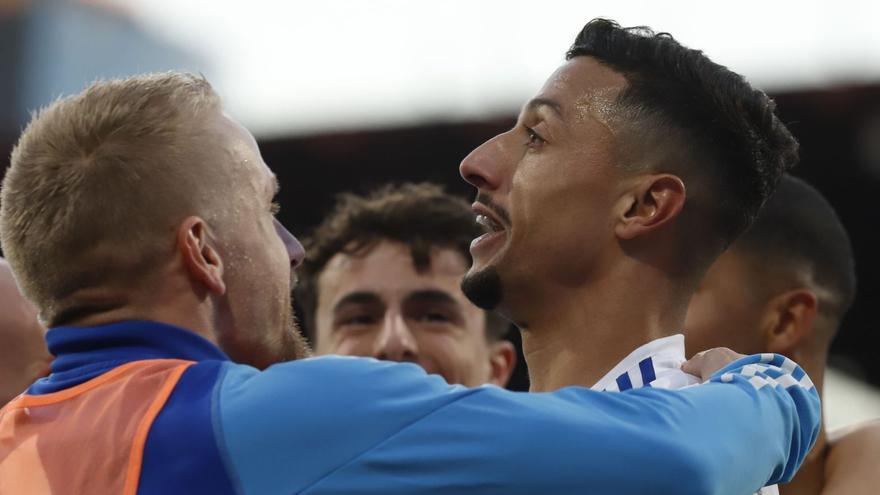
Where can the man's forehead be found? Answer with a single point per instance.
(387, 255)
(583, 88)
(240, 143)
(388, 267)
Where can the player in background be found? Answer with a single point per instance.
(381, 278)
(784, 287)
(23, 353)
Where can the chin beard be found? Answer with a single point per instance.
(483, 288)
(294, 345)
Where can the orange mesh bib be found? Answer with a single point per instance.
(86, 439)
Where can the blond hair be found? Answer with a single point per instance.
(99, 180)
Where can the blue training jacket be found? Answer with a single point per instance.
(148, 408)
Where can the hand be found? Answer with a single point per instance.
(706, 363)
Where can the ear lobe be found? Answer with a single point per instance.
(654, 203)
(793, 314)
(199, 256)
(502, 359)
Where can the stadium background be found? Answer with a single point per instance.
(344, 94)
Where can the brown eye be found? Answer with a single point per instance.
(434, 317)
(359, 320)
(535, 139)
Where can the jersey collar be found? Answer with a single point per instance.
(655, 364)
(82, 353)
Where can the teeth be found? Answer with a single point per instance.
(488, 224)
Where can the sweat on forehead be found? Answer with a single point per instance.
(586, 85)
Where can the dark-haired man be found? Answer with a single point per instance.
(139, 219)
(784, 287)
(628, 173)
(382, 278)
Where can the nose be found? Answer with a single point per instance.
(396, 342)
(482, 167)
(295, 251)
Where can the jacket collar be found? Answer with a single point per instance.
(82, 353)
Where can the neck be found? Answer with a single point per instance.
(172, 304)
(576, 335)
(810, 478)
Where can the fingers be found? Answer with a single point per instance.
(705, 364)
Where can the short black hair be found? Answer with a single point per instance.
(726, 132)
(799, 229)
(422, 216)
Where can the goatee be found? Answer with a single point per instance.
(483, 288)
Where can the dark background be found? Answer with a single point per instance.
(839, 131)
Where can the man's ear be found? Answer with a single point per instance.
(199, 256)
(502, 359)
(654, 201)
(788, 320)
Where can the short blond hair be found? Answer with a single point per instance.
(98, 182)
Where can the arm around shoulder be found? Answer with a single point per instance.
(354, 426)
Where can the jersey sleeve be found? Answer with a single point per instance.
(797, 399)
(348, 425)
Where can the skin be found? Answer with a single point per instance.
(377, 304)
(726, 305)
(740, 306)
(23, 353)
(258, 256)
(229, 277)
(582, 240)
(851, 466)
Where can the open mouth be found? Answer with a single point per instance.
(489, 224)
(491, 241)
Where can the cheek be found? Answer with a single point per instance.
(273, 252)
(716, 321)
(566, 209)
(444, 352)
(350, 343)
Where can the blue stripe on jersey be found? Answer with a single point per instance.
(181, 455)
(623, 382)
(646, 366)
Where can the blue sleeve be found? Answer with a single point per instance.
(348, 425)
(795, 409)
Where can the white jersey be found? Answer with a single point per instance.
(656, 364)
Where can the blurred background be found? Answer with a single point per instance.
(348, 94)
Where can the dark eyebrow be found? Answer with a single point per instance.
(361, 297)
(430, 296)
(537, 103)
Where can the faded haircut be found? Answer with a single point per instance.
(99, 180)
(687, 115)
(798, 232)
